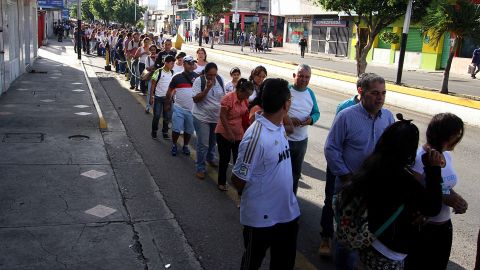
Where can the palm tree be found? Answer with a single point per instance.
(461, 18)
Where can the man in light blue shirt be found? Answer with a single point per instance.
(353, 137)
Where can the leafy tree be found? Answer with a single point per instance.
(212, 9)
(376, 14)
(124, 12)
(102, 9)
(87, 15)
(461, 18)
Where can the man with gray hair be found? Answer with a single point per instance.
(352, 137)
(303, 112)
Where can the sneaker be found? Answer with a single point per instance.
(154, 134)
(174, 150)
(137, 90)
(165, 136)
(200, 175)
(132, 87)
(147, 111)
(325, 249)
(186, 150)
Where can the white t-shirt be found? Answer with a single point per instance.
(149, 62)
(177, 69)
(142, 59)
(301, 108)
(132, 45)
(163, 82)
(264, 163)
(229, 87)
(208, 110)
(449, 177)
(199, 68)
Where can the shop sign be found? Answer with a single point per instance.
(251, 19)
(329, 22)
(56, 4)
(298, 19)
(236, 18)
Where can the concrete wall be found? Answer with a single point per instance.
(18, 19)
(460, 65)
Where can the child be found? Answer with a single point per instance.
(231, 85)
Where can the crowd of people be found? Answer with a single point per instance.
(391, 199)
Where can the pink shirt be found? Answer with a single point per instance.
(235, 110)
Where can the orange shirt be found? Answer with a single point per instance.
(235, 110)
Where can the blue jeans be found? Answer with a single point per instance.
(206, 141)
(158, 110)
(134, 82)
(297, 155)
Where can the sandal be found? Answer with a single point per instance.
(222, 187)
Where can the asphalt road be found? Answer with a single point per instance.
(209, 218)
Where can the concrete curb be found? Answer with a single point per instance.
(101, 119)
(427, 94)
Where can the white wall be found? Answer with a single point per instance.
(296, 7)
(19, 21)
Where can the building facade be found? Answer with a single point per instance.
(18, 39)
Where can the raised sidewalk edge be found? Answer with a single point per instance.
(456, 100)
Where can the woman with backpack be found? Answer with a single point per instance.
(208, 91)
(444, 132)
(385, 195)
(230, 129)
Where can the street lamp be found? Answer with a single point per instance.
(79, 28)
(403, 46)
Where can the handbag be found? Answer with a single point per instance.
(471, 69)
(146, 74)
(352, 223)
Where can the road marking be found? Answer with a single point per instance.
(352, 79)
(100, 211)
(301, 262)
(94, 174)
(83, 113)
(102, 122)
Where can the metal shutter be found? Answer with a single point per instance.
(414, 40)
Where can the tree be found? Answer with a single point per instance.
(376, 14)
(212, 9)
(460, 18)
(124, 12)
(102, 9)
(87, 15)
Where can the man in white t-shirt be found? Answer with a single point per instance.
(178, 66)
(160, 81)
(263, 174)
(132, 47)
(303, 113)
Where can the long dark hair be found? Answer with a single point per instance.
(256, 71)
(396, 149)
(258, 99)
(442, 128)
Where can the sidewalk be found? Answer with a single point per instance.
(462, 85)
(72, 195)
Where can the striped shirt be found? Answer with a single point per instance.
(182, 83)
(264, 164)
(353, 137)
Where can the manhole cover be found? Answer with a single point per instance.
(79, 138)
(23, 138)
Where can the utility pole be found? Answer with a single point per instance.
(403, 45)
(200, 32)
(79, 29)
(135, 10)
(235, 19)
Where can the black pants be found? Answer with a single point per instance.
(225, 150)
(280, 238)
(302, 51)
(297, 155)
(326, 220)
(432, 250)
(143, 84)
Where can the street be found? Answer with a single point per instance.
(178, 220)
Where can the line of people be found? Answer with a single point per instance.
(402, 193)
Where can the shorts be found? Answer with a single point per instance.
(182, 120)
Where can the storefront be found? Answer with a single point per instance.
(296, 27)
(330, 36)
(251, 23)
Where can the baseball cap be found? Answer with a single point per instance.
(189, 59)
